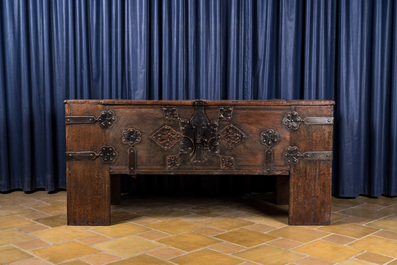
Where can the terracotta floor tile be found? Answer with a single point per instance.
(371, 206)
(121, 230)
(345, 203)
(35, 203)
(128, 246)
(335, 209)
(270, 220)
(12, 236)
(34, 215)
(245, 237)
(386, 234)
(175, 226)
(34, 261)
(228, 217)
(385, 201)
(338, 239)
(365, 213)
(355, 262)
(260, 228)
(143, 220)
(32, 244)
(163, 213)
(268, 255)
(166, 253)
(313, 261)
(206, 256)
(8, 222)
(374, 258)
(15, 210)
(51, 198)
(122, 216)
(356, 220)
(189, 241)
(100, 258)
(74, 262)
(226, 223)
(95, 239)
(379, 245)
(227, 248)
(153, 235)
(209, 231)
(53, 209)
(327, 250)
(53, 221)
(335, 217)
(285, 243)
(10, 254)
(351, 230)
(205, 211)
(141, 260)
(64, 251)
(390, 210)
(194, 218)
(62, 233)
(33, 228)
(388, 223)
(298, 233)
(239, 214)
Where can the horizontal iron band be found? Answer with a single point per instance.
(80, 120)
(318, 155)
(89, 155)
(319, 120)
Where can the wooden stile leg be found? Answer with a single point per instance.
(116, 189)
(311, 174)
(282, 190)
(310, 193)
(88, 193)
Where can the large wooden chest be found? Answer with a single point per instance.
(288, 138)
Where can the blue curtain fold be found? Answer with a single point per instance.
(338, 49)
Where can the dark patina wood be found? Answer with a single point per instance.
(288, 138)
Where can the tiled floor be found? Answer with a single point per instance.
(196, 230)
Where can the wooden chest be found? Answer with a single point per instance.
(288, 138)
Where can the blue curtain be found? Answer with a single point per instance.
(335, 49)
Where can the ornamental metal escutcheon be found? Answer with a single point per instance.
(131, 136)
(270, 137)
(106, 118)
(292, 120)
(108, 154)
(292, 155)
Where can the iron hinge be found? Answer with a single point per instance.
(105, 119)
(107, 153)
(292, 155)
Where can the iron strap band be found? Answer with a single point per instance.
(319, 120)
(80, 120)
(318, 155)
(81, 155)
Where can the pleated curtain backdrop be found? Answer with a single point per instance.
(342, 50)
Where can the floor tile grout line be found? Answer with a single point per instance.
(366, 236)
(34, 255)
